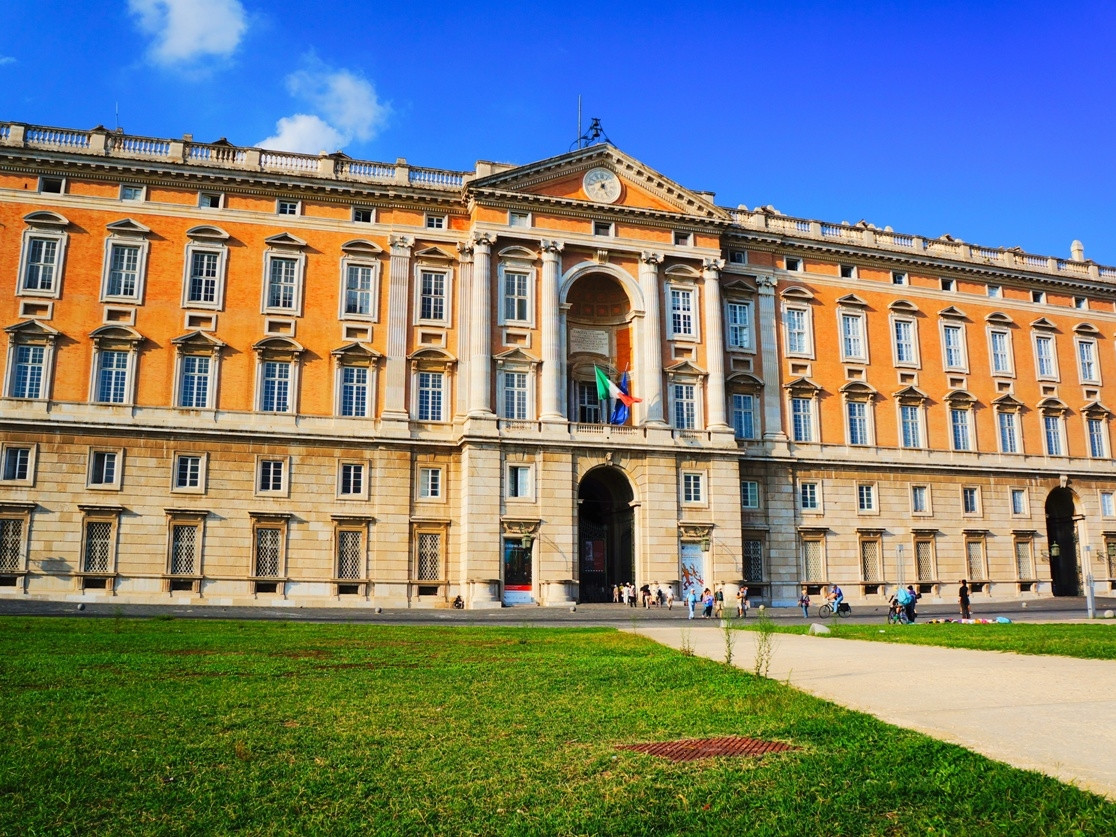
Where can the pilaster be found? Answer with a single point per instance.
(398, 323)
(480, 328)
(769, 352)
(553, 365)
(714, 343)
(651, 377)
(464, 347)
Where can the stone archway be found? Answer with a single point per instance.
(600, 333)
(605, 525)
(1061, 535)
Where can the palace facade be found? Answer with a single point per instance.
(233, 375)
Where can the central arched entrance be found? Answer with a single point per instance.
(604, 533)
(1062, 537)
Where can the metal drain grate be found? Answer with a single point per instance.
(704, 748)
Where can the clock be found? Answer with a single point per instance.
(601, 185)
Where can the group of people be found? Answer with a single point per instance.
(627, 594)
(713, 602)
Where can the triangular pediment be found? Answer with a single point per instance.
(198, 340)
(514, 356)
(32, 328)
(284, 239)
(126, 226)
(562, 180)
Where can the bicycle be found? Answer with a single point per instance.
(843, 610)
(897, 614)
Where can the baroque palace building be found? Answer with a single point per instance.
(233, 375)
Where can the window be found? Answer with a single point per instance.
(363, 215)
(97, 550)
(693, 488)
(738, 256)
(948, 285)
(435, 222)
(359, 284)
(52, 185)
(870, 559)
(269, 551)
(430, 483)
(1024, 558)
(681, 312)
(683, 239)
(898, 277)
(205, 280)
(1038, 296)
(194, 378)
(903, 333)
(516, 299)
(27, 371)
(797, 324)
(354, 391)
(1009, 432)
(974, 558)
(210, 200)
(428, 557)
(112, 377)
(131, 193)
(1044, 356)
(588, 404)
(793, 264)
(1080, 302)
(1000, 345)
(809, 497)
(920, 499)
(514, 401)
(287, 207)
(602, 228)
(1052, 435)
(350, 557)
(802, 419)
(271, 480)
(847, 271)
(866, 497)
(42, 264)
(744, 415)
(185, 545)
(910, 420)
(282, 284)
(1087, 362)
(813, 558)
(739, 320)
(351, 480)
(970, 500)
(1098, 438)
(275, 392)
(519, 481)
(685, 406)
(103, 468)
(1018, 501)
(187, 471)
(519, 219)
(430, 396)
(960, 433)
(856, 413)
(749, 494)
(123, 271)
(752, 559)
(432, 296)
(995, 291)
(1108, 504)
(12, 547)
(953, 342)
(17, 464)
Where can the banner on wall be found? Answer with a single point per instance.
(517, 573)
(692, 569)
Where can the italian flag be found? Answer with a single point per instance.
(607, 389)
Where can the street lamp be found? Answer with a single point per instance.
(1090, 602)
(899, 565)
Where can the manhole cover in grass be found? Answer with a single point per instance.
(704, 748)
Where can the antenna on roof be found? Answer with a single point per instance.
(117, 115)
(595, 133)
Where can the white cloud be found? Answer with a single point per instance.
(185, 30)
(344, 105)
(6, 59)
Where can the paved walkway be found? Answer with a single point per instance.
(1056, 715)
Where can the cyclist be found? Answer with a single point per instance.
(836, 596)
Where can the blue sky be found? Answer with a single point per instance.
(992, 121)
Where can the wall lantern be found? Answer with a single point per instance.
(527, 540)
(705, 544)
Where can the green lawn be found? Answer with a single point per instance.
(118, 726)
(1096, 641)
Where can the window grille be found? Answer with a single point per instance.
(1023, 564)
(348, 554)
(267, 552)
(974, 556)
(429, 556)
(11, 536)
(870, 561)
(924, 560)
(184, 541)
(1110, 548)
(812, 560)
(753, 560)
(97, 536)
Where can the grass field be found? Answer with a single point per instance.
(1096, 641)
(117, 726)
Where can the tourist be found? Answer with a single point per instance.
(719, 602)
(670, 597)
(963, 599)
(691, 601)
(912, 602)
(742, 602)
(804, 603)
(707, 603)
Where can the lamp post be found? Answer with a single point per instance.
(899, 565)
(1090, 602)
(1055, 565)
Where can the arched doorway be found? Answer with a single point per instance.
(1061, 534)
(599, 320)
(604, 533)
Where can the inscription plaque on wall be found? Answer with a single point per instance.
(589, 340)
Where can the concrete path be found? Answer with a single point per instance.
(1056, 715)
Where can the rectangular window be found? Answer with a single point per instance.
(519, 481)
(1098, 441)
(519, 219)
(947, 285)
(898, 278)
(1001, 353)
(271, 475)
(692, 488)
(112, 377)
(739, 315)
(954, 339)
(793, 264)
(515, 297)
(1018, 501)
(682, 239)
(685, 407)
(753, 560)
(1080, 302)
(603, 228)
(430, 396)
(131, 193)
(42, 259)
(870, 560)
(435, 222)
(857, 415)
(808, 496)
(268, 551)
(102, 470)
(11, 544)
(749, 494)
(588, 405)
(995, 291)
(276, 394)
(1038, 296)
(187, 472)
(920, 500)
(924, 559)
(429, 556)
(209, 200)
(959, 429)
(847, 271)
(282, 277)
(970, 501)
(358, 289)
(910, 418)
(1052, 434)
(97, 555)
(1009, 432)
(1108, 504)
(743, 415)
(798, 335)
(802, 419)
(286, 207)
(1024, 558)
(17, 463)
(203, 277)
(194, 386)
(352, 479)
(1044, 356)
(123, 271)
(866, 497)
(852, 337)
(974, 559)
(682, 312)
(432, 301)
(1087, 361)
(354, 391)
(515, 396)
(350, 554)
(903, 331)
(184, 544)
(363, 215)
(27, 376)
(430, 483)
(813, 559)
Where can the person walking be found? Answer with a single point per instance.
(719, 602)
(911, 602)
(670, 597)
(804, 603)
(707, 602)
(963, 599)
(691, 601)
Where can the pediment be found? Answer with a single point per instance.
(124, 334)
(517, 253)
(284, 239)
(852, 301)
(1086, 328)
(685, 368)
(797, 292)
(952, 313)
(207, 232)
(43, 218)
(32, 328)
(1008, 401)
(1095, 409)
(278, 344)
(356, 350)
(515, 355)
(560, 180)
(802, 385)
(910, 394)
(858, 388)
(1043, 324)
(437, 253)
(198, 340)
(999, 318)
(904, 306)
(361, 246)
(126, 226)
(1053, 405)
(744, 380)
(959, 396)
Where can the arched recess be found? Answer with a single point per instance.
(605, 529)
(1061, 535)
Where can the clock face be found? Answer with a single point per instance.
(601, 185)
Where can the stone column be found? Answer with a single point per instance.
(769, 351)
(398, 323)
(480, 328)
(651, 362)
(553, 364)
(464, 348)
(714, 342)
